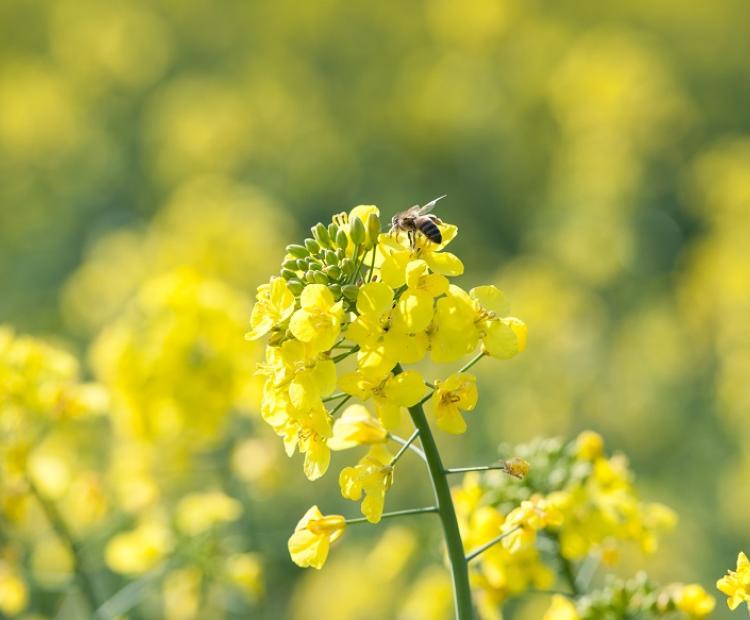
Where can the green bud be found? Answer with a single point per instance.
(331, 258)
(312, 246)
(320, 232)
(333, 230)
(342, 240)
(357, 231)
(288, 274)
(295, 286)
(310, 276)
(290, 264)
(314, 264)
(347, 266)
(373, 229)
(350, 291)
(340, 253)
(333, 272)
(320, 278)
(302, 264)
(299, 251)
(335, 290)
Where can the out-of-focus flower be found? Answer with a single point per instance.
(312, 538)
(14, 595)
(140, 549)
(561, 609)
(589, 446)
(199, 512)
(181, 592)
(736, 583)
(245, 571)
(693, 600)
(373, 475)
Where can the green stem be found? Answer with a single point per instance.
(568, 573)
(341, 403)
(372, 263)
(57, 523)
(412, 447)
(472, 361)
(404, 448)
(491, 543)
(336, 359)
(336, 396)
(395, 513)
(462, 470)
(447, 513)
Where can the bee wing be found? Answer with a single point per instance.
(424, 209)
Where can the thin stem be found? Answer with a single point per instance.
(395, 513)
(479, 550)
(57, 523)
(343, 401)
(446, 510)
(412, 447)
(473, 361)
(462, 470)
(372, 263)
(404, 448)
(567, 570)
(342, 356)
(336, 396)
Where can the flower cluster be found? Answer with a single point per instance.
(736, 584)
(575, 504)
(372, 302)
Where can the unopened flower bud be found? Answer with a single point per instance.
(373, 229)
(350, 291)
(516, 467)
(347, 266)
(288, 274)
(335, 290)
(341, 253)
(357, 231)
(295, 286)
(333, 272)
(333, 231)
(310, 276)
(300, 251)
(342, 240)
(319, 277)
(331, 258)
(320, 232)
(290, 264)
(301, 264)
(312, 246)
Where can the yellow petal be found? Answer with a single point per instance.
(500, 340)
(374, 299)
(445, 263)
(317, 459)
(316, 296)
(413, 312)
(308, 549)
(492, 298)
(389, 413)
(406, 388)
(350, 484)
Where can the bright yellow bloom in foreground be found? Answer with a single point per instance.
(199, 512)
(457, 393)
(274, 305)
(694, 600)
(391, 393)
(373, 475)
(736, 584)
(356, 427)
(313, 536)
(318, 321)
(561, 609)
(415, 306)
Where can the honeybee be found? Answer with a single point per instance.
(419, 219)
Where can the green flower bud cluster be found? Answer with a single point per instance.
(637, 597)
(332, 256)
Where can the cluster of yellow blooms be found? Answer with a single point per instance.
(349, 291)
(575, 504)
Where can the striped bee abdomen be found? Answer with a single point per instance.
(429, 229)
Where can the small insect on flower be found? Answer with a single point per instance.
(419, 219)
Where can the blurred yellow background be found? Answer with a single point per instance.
(156, 157)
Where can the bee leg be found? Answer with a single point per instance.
(412, 239)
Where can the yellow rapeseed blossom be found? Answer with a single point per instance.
(318, 321)
(693, 600)
(245, 572)
(356, 427)
(522, 523)
(589, 446)
(139, 550)
(199, 512)
(274, 304)
(457, 393)
(373, 475)
(312, 538)
(736, 583)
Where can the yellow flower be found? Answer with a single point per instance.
(245, 571)
(589, 446)
(522, 523)
(356, 427)
(453, 332)
(414, 310)
(561, 609)
(694, 600)
(274, 305)
(457, 393)
(318, 321)
(373, 475)
(736, 584)
(14, 596)
(139, 550)
(199, 512)
(390, 392)
(503, 336)
(312, 538)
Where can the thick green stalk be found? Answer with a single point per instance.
(447, 514)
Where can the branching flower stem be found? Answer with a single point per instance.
(472, 361)
(463, 470)
(404, 447)
(412, 447)
(396, 513)
(341, 403)
(58, 524)
(479, 550)
(447, 513)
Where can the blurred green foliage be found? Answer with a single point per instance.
(596, 158)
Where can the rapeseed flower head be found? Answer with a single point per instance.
(373, 476)
(693, 600)
(455, 394)
(736, 583)
(313, 536)
(274, 304)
